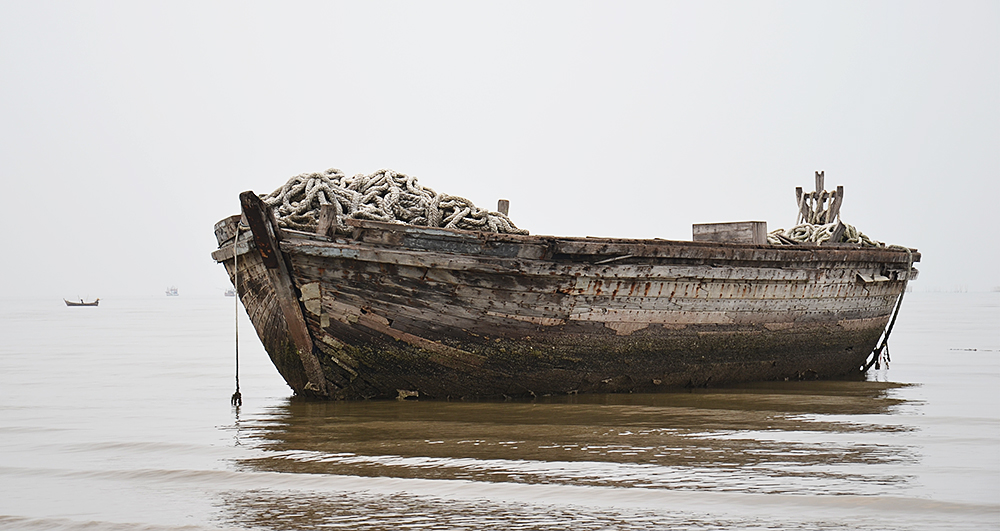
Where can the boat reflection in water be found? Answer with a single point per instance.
(624, 461)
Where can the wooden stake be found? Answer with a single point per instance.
(803, 204)
(835, 207)
(327, 220)
(503, 206)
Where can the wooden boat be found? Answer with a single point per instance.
(400, 310)
(82, 303)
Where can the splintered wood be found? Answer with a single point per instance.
(819, 207)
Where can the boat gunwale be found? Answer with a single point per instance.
(590, 246)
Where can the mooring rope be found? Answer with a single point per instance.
(237, 399)
(816, 234)
(884, 346)
(382, 196)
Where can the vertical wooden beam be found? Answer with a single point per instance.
(835, 207)
(503, 206)
(820, 176)
(327, 220)
(263, 239)
(803, 207)
(266, 235)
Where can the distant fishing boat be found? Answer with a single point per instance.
(82, 303)
(230, 292)
(357, 308)
(172, 292)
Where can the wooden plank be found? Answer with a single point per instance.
(443, 303)
(838, 233)
(819, 261)
(715, 251)
(802, 200)
(260, 217)
(442, 354)
(437, 231)
(226, 253)
(467, 242)
(471, 302)
(610, 247)
(503, 206)
(835, 207)
(791, 312)
(327, 224)
(785, 240)
(752, 232)
(226, 229)
(444, 318)
(257, 217)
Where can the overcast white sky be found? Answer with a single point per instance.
(127, 129)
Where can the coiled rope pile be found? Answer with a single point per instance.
(810, 233)
(382, 196)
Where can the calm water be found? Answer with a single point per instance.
(118, 417)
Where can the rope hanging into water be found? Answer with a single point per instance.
(883, 349)
(237, 399)
(382, 196)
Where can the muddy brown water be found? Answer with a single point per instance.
(118, 417)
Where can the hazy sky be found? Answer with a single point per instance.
(127, 129)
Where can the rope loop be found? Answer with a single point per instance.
(385, 196)
(811, 233)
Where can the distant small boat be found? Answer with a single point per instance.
(230, 292)
(82, 303)
(172, 292)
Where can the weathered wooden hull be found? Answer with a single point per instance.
(399, 310)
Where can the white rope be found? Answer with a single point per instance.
(382, 196)
(811, 233)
